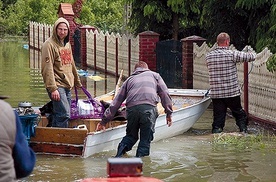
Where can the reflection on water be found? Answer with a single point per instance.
(188, 157)
(20, 77)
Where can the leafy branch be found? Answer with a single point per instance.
(271, 63)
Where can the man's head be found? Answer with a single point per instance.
(223, 39)
(61, 30)
(141, 64)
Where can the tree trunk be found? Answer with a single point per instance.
(175, 26)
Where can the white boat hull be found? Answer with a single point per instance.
(183, 119)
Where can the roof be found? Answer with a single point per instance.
(65, 9)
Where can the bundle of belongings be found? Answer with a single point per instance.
(47, 110)
(120, 114)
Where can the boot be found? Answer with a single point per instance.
(242, 121)
(242, 124)
(217, 130)
(122, 148)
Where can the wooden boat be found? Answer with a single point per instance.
(188, 106)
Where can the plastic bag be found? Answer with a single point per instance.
(89, 108)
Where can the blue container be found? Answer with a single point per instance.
(29, 122)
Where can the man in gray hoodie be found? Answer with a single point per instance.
(142, 91)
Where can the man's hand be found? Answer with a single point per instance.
(100, 127)
(169, 120)
(55, 95)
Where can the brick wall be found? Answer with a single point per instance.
(147, 46)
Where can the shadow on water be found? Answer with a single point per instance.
(189, 157)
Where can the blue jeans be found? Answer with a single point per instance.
(139, 118)
(61, 109)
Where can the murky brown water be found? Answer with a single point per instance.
(191, 156)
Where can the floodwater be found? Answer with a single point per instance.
(192, 156)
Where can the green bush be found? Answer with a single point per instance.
(271, 63)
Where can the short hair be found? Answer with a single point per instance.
(222, 37)
(141, 64)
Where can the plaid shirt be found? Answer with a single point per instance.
(223, 77)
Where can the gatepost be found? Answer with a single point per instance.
(147, 46)
(188, 59)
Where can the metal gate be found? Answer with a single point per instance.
(169, 62)
(77, 47)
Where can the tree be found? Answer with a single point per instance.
(171, 19)
(261, 22)
(107, 15)
(6, 3)
(17, 16)
(224, 16)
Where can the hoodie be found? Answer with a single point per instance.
(58, 67)
(142, 87)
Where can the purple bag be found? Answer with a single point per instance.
(89, 108)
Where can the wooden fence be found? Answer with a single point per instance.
(106, 52)
(114, 52)
(38, 33)
(261, 82)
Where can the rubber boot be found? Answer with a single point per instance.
(242, 124)
(121, 150)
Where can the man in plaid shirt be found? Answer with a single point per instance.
(224, 86)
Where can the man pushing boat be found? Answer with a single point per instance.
(142, 91)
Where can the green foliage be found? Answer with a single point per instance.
(106, 15)
(170, 18)
(6, 3)
(224, 16)
(248, 22)
(250, 4)
(17, 16)
(157, 9)
(271, 63)
(261, 23)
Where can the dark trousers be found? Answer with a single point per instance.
(220, 108)
(140, 119)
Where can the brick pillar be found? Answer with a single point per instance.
(187, 59)
(147, 46)
(83, 45)
(70, 19)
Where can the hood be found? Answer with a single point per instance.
(54, 36)
(139, 70)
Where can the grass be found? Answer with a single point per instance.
(246, 141)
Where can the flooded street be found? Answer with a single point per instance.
(188, 157)
(192, 156)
